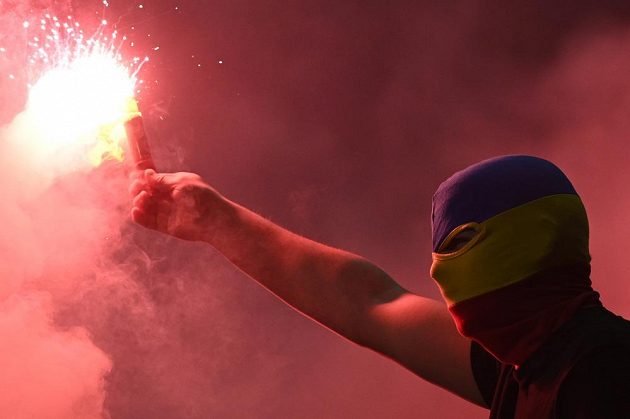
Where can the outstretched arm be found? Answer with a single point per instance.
(344, 292)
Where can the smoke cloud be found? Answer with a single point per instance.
(48, 246)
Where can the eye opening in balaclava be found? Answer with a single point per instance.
(460, 240)
(525, 268)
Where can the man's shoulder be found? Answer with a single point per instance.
(590, 328)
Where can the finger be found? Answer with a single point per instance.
(137, 186)
(143, 201)
(159, 182)
(148, 206)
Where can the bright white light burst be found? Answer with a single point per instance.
(85, 91)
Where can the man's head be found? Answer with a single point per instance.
(510, 241)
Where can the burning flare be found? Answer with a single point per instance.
(85, 93)
(138, 144)
(84, 103)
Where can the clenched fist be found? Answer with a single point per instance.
(179, 204)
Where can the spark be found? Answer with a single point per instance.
(83, 92)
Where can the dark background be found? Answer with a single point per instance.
(338, 120)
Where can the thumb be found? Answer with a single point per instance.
(157, 181)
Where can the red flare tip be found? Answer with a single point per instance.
(138, 144)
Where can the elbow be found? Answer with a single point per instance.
(367, 287)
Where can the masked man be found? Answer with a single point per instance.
(510, 238)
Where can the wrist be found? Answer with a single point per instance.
(217, 215)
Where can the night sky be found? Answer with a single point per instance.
(337, 120)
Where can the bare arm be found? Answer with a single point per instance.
(340, 290)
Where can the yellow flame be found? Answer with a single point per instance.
(84, 104)
(110, 137)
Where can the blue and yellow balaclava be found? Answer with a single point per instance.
(526, 269)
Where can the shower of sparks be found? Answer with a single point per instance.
(82, 90)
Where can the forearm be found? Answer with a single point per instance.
(334, 287)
